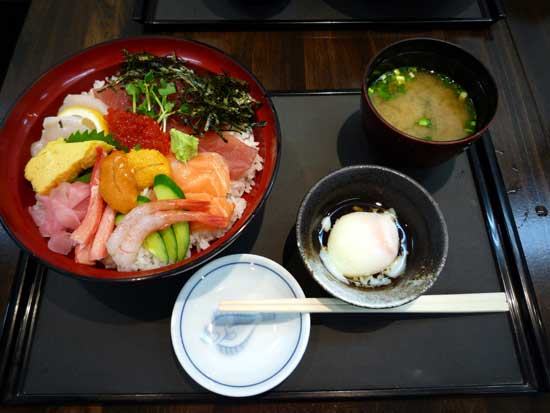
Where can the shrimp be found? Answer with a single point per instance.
(138, 213)
(124, 254)
(88, 227)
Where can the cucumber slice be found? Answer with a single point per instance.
(170, 243)
(166, 188)
(142, 199)
(118, 218)
(181, 231)
(155, 245)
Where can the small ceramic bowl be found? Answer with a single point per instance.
(417, 212)
(442, 57)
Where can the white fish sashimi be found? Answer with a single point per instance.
(55, 127)
(86, 100)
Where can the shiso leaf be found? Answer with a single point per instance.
(93, 135)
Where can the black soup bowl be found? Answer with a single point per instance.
(445, 58)
(417, 212)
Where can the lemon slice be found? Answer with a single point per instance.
(90, 117)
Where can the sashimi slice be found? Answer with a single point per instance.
(114, 98)
(84, 233)
(58, 213)
(71, 194)
(61, 242)
(55, 127)
(86, 100)
(221, 207)
(207, 173)
(104, 231)
(238, 155)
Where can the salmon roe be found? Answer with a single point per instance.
(131, 129)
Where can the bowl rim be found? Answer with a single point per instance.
(346, 170)
(456, 142)
(208, 256)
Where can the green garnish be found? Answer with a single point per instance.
(93, 135)
(184, 146)
(142, 199)
(428, 138)
(426, 122)
(165, 86)
(85, 177)
(390, 83)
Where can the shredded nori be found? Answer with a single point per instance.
(205, 102)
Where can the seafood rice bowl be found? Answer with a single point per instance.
(147, 167)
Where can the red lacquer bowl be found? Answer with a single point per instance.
(23, 125)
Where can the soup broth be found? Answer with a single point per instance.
(424, 104)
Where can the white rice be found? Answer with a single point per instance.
(144, 261)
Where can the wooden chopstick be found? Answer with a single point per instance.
(446, 304)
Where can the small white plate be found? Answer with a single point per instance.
(238, 354)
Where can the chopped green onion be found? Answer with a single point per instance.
(463, 95)
(426, 122)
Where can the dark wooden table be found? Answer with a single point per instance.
(516, 51)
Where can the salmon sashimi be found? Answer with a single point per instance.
(205, 173)
(238, 155)
(104, 231)
(88, 227)
(221, 207)
(124, 254)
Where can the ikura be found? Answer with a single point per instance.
(131, 129)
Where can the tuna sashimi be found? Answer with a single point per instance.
(207, 172)
(115, 99)
(87, 229)
(221, 207)
(238, 155)
(104, 231)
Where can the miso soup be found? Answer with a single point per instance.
(424, 104)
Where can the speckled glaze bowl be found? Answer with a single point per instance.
(417, 212)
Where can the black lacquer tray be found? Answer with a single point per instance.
(67, 340)
(330, 14)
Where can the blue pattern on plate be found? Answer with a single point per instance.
(181, 330)
(230, 332)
